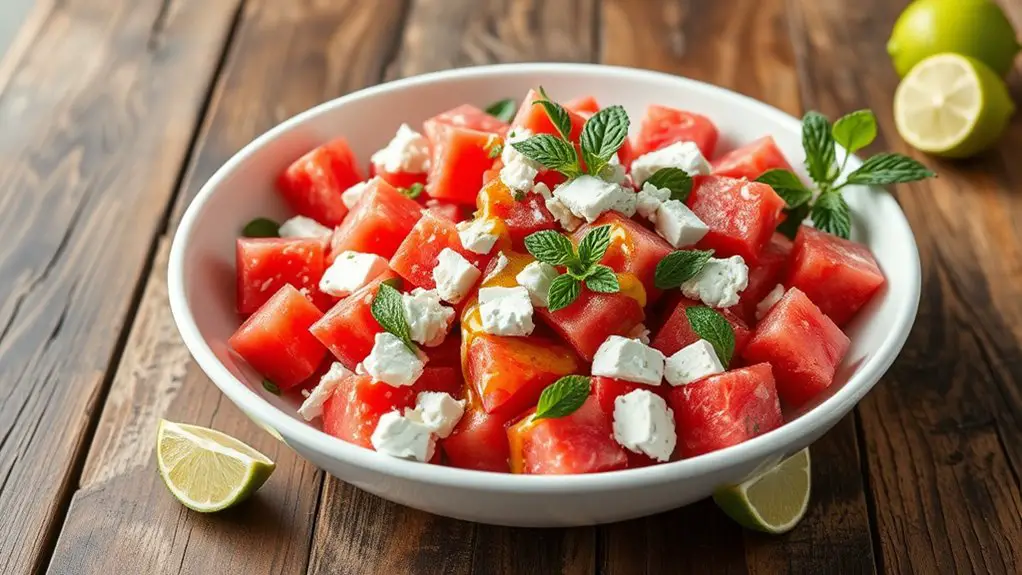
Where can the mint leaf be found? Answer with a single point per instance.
(678, 267)
(602, 279)
(708, 324)
(855, 131)
(788, 186)
(413, 191)
(560, 117)
(563, 397)
(818, 143)
(602, 135)
(831, 214)
(563, 291)
(554, 153)
(390, 314)
(271, 387)
(884, 169)
(793, 220)
(674, 179)
(550, 247)
(594, 245)
(261, 228)
(503, 110)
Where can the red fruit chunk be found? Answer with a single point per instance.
(584, 106)
(664, 126)
(468, 116)
(417, 255)
(677, 333)
(533, 117)
(592, 318)
(349, 329)
(606, 390)
(378, 223)
(353, 410)
(264, 265)
(460, 157)
(751, 160)
(803, 346)
(398, 179)
(765, 275)
(633, 249)
(724, 410)
(581, 442)
(313, 184)
(741, 215)
(838, 275)
(478, 442)
(521, 217)
(276, 342)
(445, 210)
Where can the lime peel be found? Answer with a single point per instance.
(774, 501)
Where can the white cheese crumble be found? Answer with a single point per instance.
(648, 200)
(498, 267)
(537, 277)
(391, 361)
(679, 225)
(640, 332)
(506, 311)
(630, 360)
(683, 155)
(588, 197)
(518, 172)
(350, 271)
(477, 235)
(543, 190)
(438, 411)
(454, 275)
(719, 282)
(644, 424)
(400, 436)
(352, 195)
(769, 301)
(407, 152)
(428, 319)
(562, 214)
(312, 407)
(303, 227)
(692, 363)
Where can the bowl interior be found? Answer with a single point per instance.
(203, 259)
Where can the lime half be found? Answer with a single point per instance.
(953, 106)
(207, 470)
(772, 502)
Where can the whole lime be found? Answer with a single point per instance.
(976, 28)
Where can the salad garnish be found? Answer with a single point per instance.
(710, 325)
(679, 266)
(551, 247)
(563, 397)
(674, 179)
(389, 312)
(503, 110)
(261, 228)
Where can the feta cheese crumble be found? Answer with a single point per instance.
(438, 411)
(498, 266)
(644, 424)
(454, 275)
(506, 311)
(303, 227)
(683, 155)
(692, 363)
(352, 195)
(391, 361)
(588, 197)
(679, 225)
(428, 319)
(350, 271)
(562, 214)
(407, 152)
(769, 301)
(719, 282)
(477, 235)
(648, 200)
(630, 360)
(312, 407)
(537, 277)
(400, 436)
(519, 172)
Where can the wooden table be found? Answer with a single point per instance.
(114, 112)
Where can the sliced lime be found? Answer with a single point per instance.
(772, 502)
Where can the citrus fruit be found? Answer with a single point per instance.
(772, 502)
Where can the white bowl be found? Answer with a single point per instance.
(201, 279)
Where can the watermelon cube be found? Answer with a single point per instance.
(459, 159)
(349, 329)
(592, 318)
(378, 223)
(479, 441)
(633, 249)
(534, 118)
(313, 184)
(663, 126)
(581, 442)
(741, 215)
(353, 410)
(677, 333)
(468, 116)
(770, 270)
(264, 265)
(417, 255)
(521, 217)
(751, 160)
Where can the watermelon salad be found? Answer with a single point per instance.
(526, 289)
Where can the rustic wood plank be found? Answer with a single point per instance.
(442, 34)
(940, 428)
(87, 176)
(123, 520)
(743, 45)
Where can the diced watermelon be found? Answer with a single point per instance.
(478, 442)
(468, 116)
(664, 126)
(533, 117)
(353, 410)
(521, 217)
(765, 275)
(801, 343)
(313, 184)
(592, 318)
(741, 215)
(378, 223)
(445, 378)
(633, 249)
(677, 333)
(446, 210)
(417, 255)
(581, 442)
(751, 160)
(724, 410)
(460, 157)
(607, 390)
(264, 265)
(584, 106)
(398, 179)
(276, 342)
(349, 329)
(838, 275)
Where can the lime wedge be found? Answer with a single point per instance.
(207, 470)
(952, 106)
(772, 502)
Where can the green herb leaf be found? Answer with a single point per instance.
(503, 110)
(602, 135)
(818, 143)
(550, 247)
(708, 324)
(390, 314)
(855, 131)
(564, 290)
(563, 397)
(674, 179)
(884, 169)
(594, 245)
(602, 279)
(831, 214)
(793, 220)
(413, 191)
(679, 267)
(560, 117)
(788, 186)
(271, 387)
(554, 153)
(261, 228)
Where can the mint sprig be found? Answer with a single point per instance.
(583, 266)
(602, 279)
(884, 169)
(559, 116)
(503, 110)
(413, 191)
(818, 142)
(602, 136)
(261, 228)
(678, 267)
(389, 312)
(710, 325)
(563, 397)
(676, 180)
(552, 152)
(830, 213)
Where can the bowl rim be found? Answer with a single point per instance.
(308, 437)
